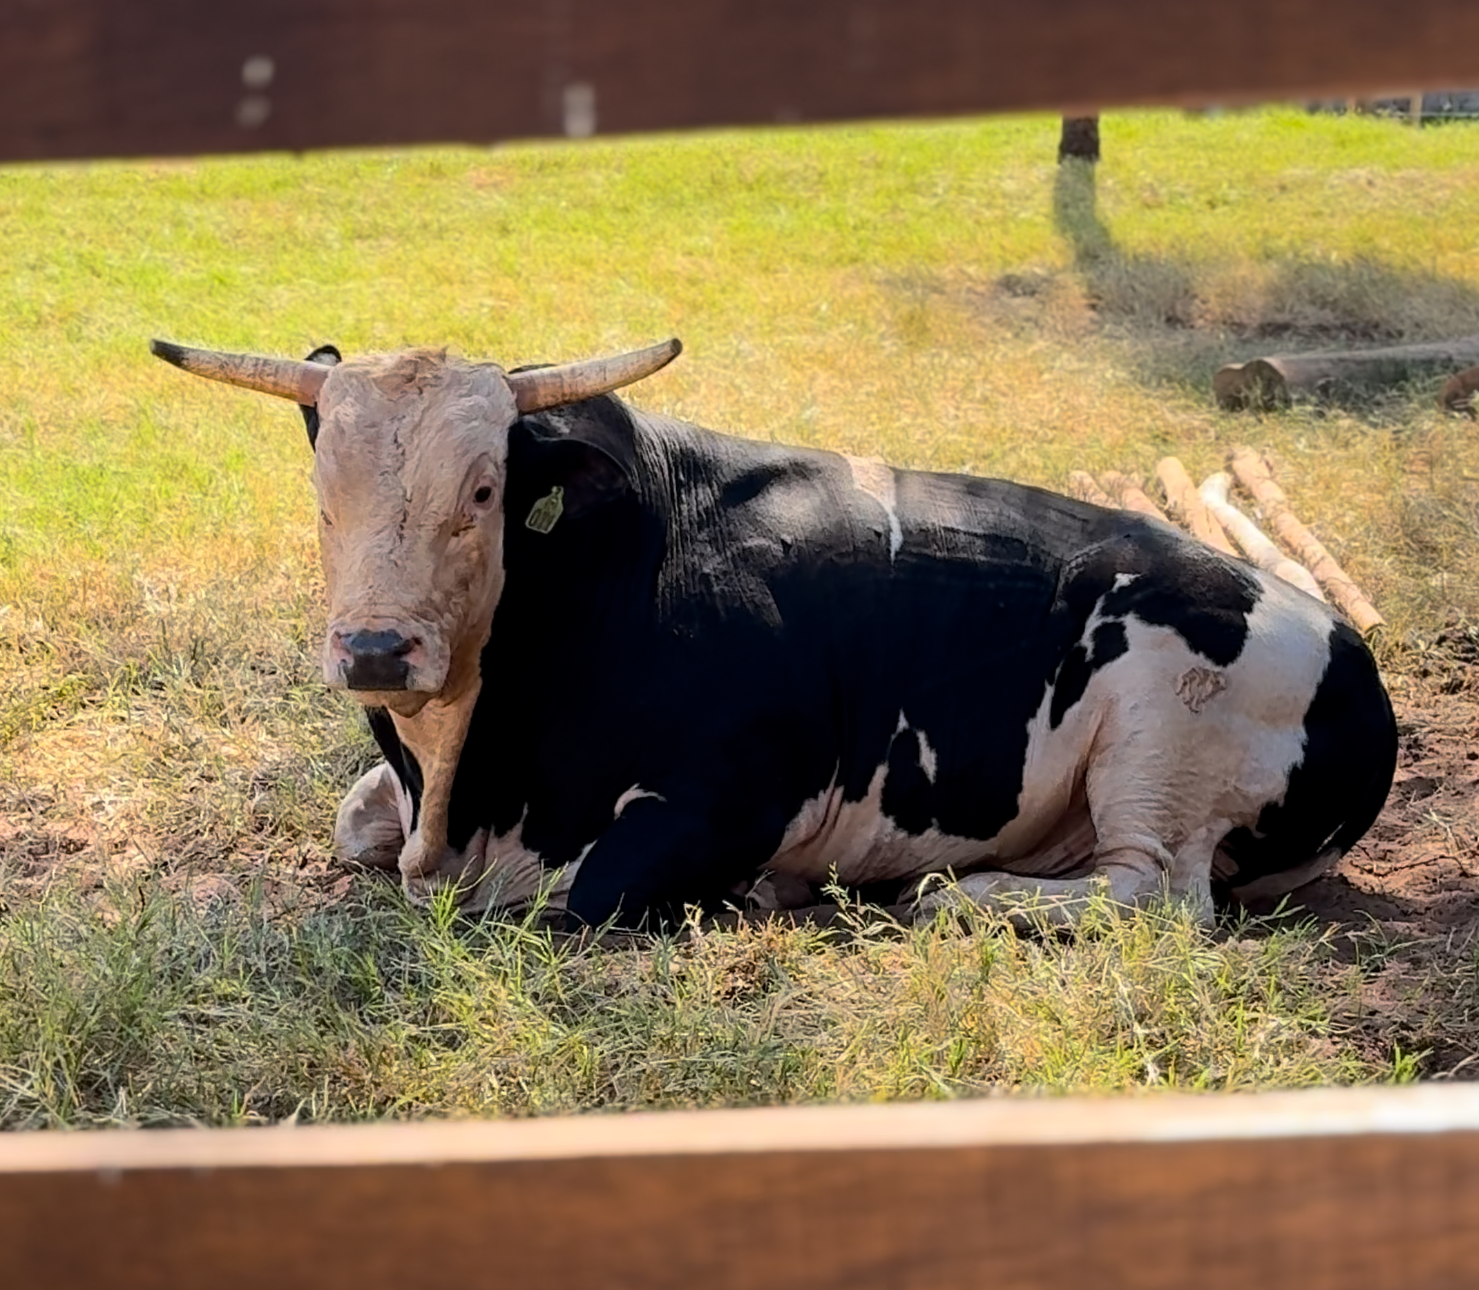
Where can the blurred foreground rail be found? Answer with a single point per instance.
(1346, 1189)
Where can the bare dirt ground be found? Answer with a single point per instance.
(1404, 903)
(1417, 872)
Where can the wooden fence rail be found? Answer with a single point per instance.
(1324, 1190)
(105, 78)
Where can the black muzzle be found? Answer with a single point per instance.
(377, 660)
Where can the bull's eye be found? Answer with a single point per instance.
(483, 494)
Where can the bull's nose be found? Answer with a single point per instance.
(376, 660)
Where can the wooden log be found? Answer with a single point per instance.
(1263, 383)
(1328, 1189)
(1458, 392)
(1186, 505)
(1253, 473)
(1082, 486)
(1255, 546)
(1129, 495)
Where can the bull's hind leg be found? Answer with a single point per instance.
(1123, 877)
(370, 830)
(1134, 808)
(1275, 886)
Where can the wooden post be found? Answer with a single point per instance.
(1128, 494)
(1255, 545)
(1082, 485)
(1078, 139)
(1270, 382)
(1458, 392)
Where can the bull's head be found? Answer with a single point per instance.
(410, 460)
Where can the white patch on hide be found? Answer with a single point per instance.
(499, 872)
(1123, 580)
(929, 763)
(873, 476)
(514, 875)
(634, 794)
(863, 844)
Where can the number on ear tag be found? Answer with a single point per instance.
(546, 512)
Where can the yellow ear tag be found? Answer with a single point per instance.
(546, 512)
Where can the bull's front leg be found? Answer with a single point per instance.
(663, 853)
(373, 821)
(434, 736)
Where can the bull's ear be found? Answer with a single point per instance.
(587, 474)
(328, 356)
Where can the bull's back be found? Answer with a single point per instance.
(982, 630)
(871, 653)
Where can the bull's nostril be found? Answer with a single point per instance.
(377, 660)
(364, 642)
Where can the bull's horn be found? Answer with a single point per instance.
(285, 377)
(549, 387)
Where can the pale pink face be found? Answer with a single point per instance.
(410, 465)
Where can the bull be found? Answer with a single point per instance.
(627, 665)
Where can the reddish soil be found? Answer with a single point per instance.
(1416, 873)
(1404, 903)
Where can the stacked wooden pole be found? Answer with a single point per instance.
(1186, 505)
(1209, 513)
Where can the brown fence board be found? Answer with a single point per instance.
(101, 78)
(1330, 1189)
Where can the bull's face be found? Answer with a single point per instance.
(410, 458)
(410, 462)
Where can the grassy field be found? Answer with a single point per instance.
(173, 943)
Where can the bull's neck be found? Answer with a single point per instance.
(578, 606)
(435, 736)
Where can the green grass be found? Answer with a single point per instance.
(139, 1008)
(174, 944)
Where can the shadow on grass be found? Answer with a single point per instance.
(1181, 318)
